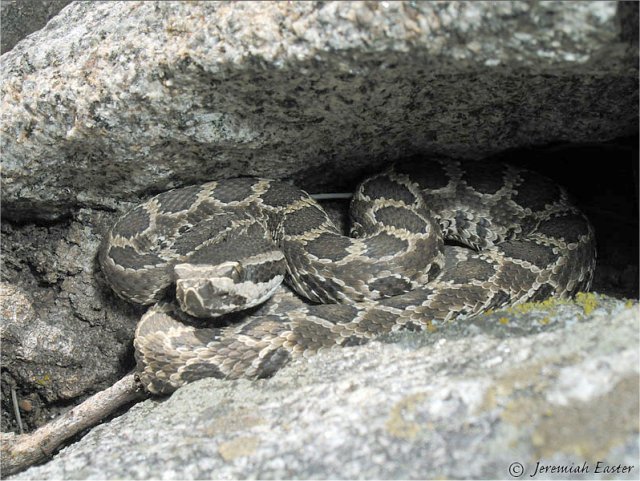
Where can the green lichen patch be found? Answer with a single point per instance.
(43, 381)
(588, 301)
(533, 316)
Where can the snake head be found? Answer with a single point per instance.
(208, 291)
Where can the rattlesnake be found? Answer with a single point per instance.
(224, 247)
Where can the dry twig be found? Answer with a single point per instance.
(20, 451)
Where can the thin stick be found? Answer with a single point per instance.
(18, 452)
(16, 409)
(332, 195)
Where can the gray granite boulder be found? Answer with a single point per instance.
(544, 384)
(113, 100)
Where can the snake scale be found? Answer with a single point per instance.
(210, 259)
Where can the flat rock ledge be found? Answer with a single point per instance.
(555, 383)
(111, 101)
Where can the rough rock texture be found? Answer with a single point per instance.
(19, 18)
(113, 100)
(62, 334)
(465, 401)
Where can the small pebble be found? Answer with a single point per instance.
(25, 405)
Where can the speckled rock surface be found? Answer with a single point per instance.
(555, 383)
(114, 100)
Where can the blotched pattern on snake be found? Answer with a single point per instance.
(222, 249)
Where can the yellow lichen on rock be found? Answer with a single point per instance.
(588, 301)
(400, 422)
(238, 447)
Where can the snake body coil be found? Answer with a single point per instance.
(224, 247)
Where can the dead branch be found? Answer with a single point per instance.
(18, 452)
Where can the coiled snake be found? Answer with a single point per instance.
(224, 247)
